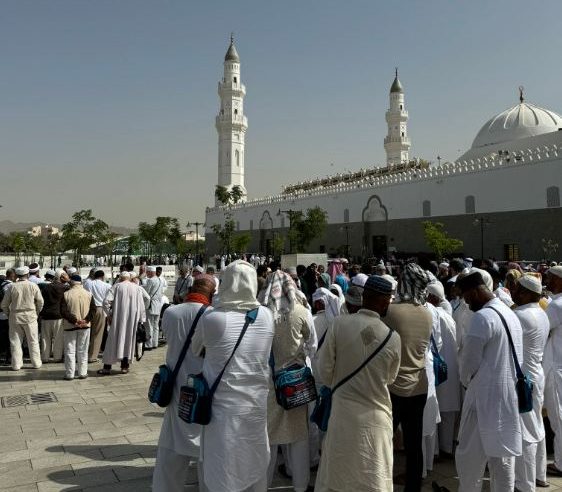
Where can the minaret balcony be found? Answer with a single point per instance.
(401, 140)
(400, 115)
(232, 88)
(231, 119)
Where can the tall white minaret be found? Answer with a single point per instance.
(397, 143)
(231, 123)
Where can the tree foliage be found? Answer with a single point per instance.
(228, 198)
(82, 232)
(438, 240)
(163, 236)
(304, 228)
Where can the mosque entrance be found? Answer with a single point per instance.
(379, 245)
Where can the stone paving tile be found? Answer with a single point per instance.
(32, 487)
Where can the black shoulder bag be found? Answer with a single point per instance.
(162, 385)
(321, 413)
(524, 385)
(196, 398)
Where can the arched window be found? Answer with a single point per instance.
(469, 205)
(235, 111)
(237, 158)
(346, 215)
(553, 196)
(401, 106)
(426, 208)
(237, 226)
(235, 80)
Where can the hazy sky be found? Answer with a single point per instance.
(110, 104)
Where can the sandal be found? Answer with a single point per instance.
(124, 370)
(103, 372)
(553, 470)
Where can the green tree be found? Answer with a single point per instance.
(240, 242)
(304, 228)
(164, 236)
(438, 240)
(82, 232)
(227, 198)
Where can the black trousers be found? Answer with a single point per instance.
(407, 411)
(5, 350)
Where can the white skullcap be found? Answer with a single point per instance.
(151, 268)
(485, 276)
(133, 274)
(58, 272)
(199, 269)
(51, 273)
(468, 258)
(125, 274)
(555, 270)
(532, 283)
(34, 270)
(443, 264)
(71, 270)
(391, 279)
(21, 271)
(436, 288)
(360, 280)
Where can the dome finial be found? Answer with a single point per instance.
(396, 71)
(521, 89)
(231, 38)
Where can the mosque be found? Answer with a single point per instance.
(501, 197)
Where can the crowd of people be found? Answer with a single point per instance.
(426, 358)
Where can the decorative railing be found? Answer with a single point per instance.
(372, 178)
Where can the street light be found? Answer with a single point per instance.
(196, 224)
(482, 221)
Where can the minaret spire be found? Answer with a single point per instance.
(397, 143)
(231, 124)
(521, 98)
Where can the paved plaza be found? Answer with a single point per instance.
(100, 434)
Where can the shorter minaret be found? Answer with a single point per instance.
(231, 123)
(397, 143)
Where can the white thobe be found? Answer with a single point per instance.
(321, 325)
(178, 439)
(463, 317)
(504, 296)
(535, 324)
(235, 445)
(446, 306)
(553, 375)
(124, 304)
(490, 429)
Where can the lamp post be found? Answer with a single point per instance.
(290, 216)
(482, 221)
(196, 224)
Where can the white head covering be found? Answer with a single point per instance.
(359, 280)
(279, 294)
(436, 288)
(50, 273)
(485, 276)
(391, 279)
(125, 274)
(339, 290)
(239, 287)
(331, 302)
(133, 275)
(532, 283)
(71, 270)
(151, 268)
(34, 270)
(555, 270)
(21, 271)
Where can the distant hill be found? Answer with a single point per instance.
(7, 226)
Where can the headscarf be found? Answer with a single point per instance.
(279, 294)
(413, 284)
(335, 268)
(238, 288)
(326, 279)
(339, 291)
(331, 302)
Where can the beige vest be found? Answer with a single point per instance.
(78, 301)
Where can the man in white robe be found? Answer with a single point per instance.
(180, 441)
(124, 308)
(235, 444)
(553, 366)
(535, 324)
(155, 289)
(357, 452)
(490, 429)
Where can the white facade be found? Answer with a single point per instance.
(396, 142)
(231, 124)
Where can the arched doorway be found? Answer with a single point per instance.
(375, 218)
(266, 233)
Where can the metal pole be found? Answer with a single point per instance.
(482, 238)
(196, 243)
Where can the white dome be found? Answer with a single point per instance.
(521, 121)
